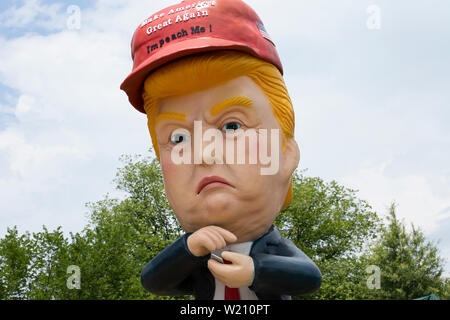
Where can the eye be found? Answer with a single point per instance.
(180, 136)
(233, 126)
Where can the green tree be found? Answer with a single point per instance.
(15, 258)
(32, 266)
(123, 235)
(49, 251)
(110, 252)
(332, 226)
(410, 264)
(340, 232)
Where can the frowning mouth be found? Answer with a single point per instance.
(210, 182)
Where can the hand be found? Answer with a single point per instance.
(238, 274)
(208, 239)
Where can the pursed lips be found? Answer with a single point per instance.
(209, 182)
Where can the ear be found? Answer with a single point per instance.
(291, 157)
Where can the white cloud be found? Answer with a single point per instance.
(23, 106)
(38, 161)
(414, 194)
(33, 14)
(73, 123)
(390, 148)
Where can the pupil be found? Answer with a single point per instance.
(233, 126)
(180, 139)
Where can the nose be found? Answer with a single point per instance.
(208, 144)
(208, 159)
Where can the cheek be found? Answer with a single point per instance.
(168, 167)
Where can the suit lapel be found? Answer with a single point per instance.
(267, 242)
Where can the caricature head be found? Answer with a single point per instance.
(213, 62)
(184, 91)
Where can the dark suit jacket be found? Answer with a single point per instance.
(281, 270)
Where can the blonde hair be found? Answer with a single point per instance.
(210, 70)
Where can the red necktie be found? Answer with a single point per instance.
(231, 293)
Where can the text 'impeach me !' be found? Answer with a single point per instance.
(182, 33)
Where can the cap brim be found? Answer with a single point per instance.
(134, 82)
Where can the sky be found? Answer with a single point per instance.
(369, 82)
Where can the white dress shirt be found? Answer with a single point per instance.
(244, 292)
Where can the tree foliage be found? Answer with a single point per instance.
(410, 264)
(340, 232)
(331, 225)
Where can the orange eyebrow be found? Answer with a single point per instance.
(241, 101)
(170, 116)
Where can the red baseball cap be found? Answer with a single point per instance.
(192, 27)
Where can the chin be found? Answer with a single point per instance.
(219, 210)
(217, 202)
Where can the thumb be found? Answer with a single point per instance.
(234, 258)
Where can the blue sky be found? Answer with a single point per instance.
(371, 105)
